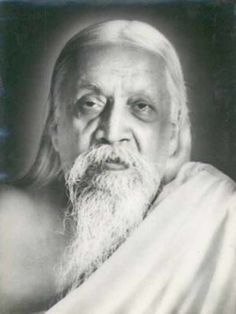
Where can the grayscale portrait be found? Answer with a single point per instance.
(118, 158)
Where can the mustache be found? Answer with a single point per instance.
(97, 157)
(106, 153)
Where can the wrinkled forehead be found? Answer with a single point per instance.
(135, 68)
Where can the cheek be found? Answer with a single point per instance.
(84, 131)
(75, 136)
(153, 142)
(67, 145)
(67, 140)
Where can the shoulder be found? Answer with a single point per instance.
(17, 214)
(30, 243)
(203, 184)
(206, 174)
(14, 202)
(213, 188)
(23, 210)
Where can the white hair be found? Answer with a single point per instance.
(47, 165)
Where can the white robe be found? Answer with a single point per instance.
(181, 259)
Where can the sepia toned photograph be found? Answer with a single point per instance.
(117, 157)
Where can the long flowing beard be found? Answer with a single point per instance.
(106, 207)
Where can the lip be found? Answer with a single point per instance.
(114, 166)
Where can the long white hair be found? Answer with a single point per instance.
(47, 166)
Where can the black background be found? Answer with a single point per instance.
(204, 36)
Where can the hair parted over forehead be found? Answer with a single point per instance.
(46, 167)
(133, 33)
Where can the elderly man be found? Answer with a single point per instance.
(114, 217)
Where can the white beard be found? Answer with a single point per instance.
(106, 207)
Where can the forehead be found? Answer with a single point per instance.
(112, 66)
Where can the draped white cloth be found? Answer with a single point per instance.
(181, 259)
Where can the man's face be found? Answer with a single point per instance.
(116, 95)
(113, 139)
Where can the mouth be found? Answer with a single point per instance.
(115, 164)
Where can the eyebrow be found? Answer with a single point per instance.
(98, 90)
(143, 95)
(90, 86)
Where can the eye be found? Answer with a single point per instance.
(88, 105)
(144, 111)
(142, 107)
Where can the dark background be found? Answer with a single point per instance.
(32, 35)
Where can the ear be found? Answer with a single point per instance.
(174, 135)
(179, 150)
(54, 135)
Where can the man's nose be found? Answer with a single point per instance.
(113, 126)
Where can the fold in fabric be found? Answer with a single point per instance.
(181, 259)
